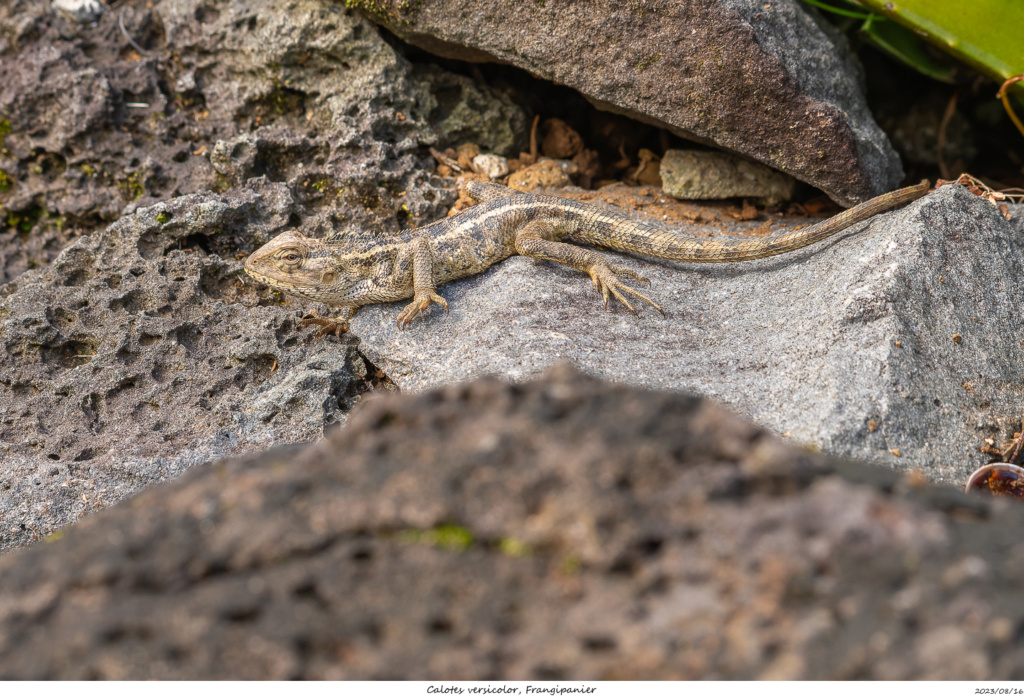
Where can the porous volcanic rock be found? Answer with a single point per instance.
(561, 529)
(302, 92)
(893, 341)
(770, 81)
(141, 351)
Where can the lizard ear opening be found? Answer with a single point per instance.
(328, 277)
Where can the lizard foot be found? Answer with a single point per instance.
(336, 325)
(606, 280)
(420, 302)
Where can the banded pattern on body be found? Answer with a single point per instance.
(353, 270)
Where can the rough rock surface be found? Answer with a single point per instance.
(299, 91)
(709, 174)
(140, 353)
(769, 81)
(561, 529)
(896, 336)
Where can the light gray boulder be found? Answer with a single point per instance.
(901, 336)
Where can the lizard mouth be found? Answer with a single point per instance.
(256, 275)
(276, 285)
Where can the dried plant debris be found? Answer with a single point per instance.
(998, 198)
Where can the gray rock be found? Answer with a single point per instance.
(461, 111)
(304, 93)
(769, 81)
(898, 335)
(142, 351)
(562, 529)
(328, 105)
(709, 174)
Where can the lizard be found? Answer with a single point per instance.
(350, 270)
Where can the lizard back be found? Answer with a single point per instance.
(607, 227)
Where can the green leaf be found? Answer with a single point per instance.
(857, 13)
(985, 34)
(905, 46)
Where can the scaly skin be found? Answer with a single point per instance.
(351, 271)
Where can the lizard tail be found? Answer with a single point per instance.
(667, 245)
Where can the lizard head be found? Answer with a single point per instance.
(301, 266)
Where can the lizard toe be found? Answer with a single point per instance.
(327, 325)
(630, 272)
(606, 278)
(408, 315)
(440, 301)
(622, 299)
(419, 306)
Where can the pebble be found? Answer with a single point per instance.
(494, 166)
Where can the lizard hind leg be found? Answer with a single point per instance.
(539, 239)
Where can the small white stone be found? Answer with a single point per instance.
(494, 166)
(81, 11)
(186, 83)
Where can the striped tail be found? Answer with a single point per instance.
(658, 242)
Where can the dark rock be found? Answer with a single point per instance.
(561, 529)
(298, 92)
(141, 351)
(771, 82)
(75, 150)
(818, 343)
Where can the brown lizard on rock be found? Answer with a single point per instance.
(352, 270)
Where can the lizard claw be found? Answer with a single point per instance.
(420, 302)
(336, 325)
(606, 280)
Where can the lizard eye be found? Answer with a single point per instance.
(290, 256)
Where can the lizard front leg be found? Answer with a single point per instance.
(337, 325)
(538, 239)
(424, 291)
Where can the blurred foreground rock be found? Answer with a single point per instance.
(560, 529)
